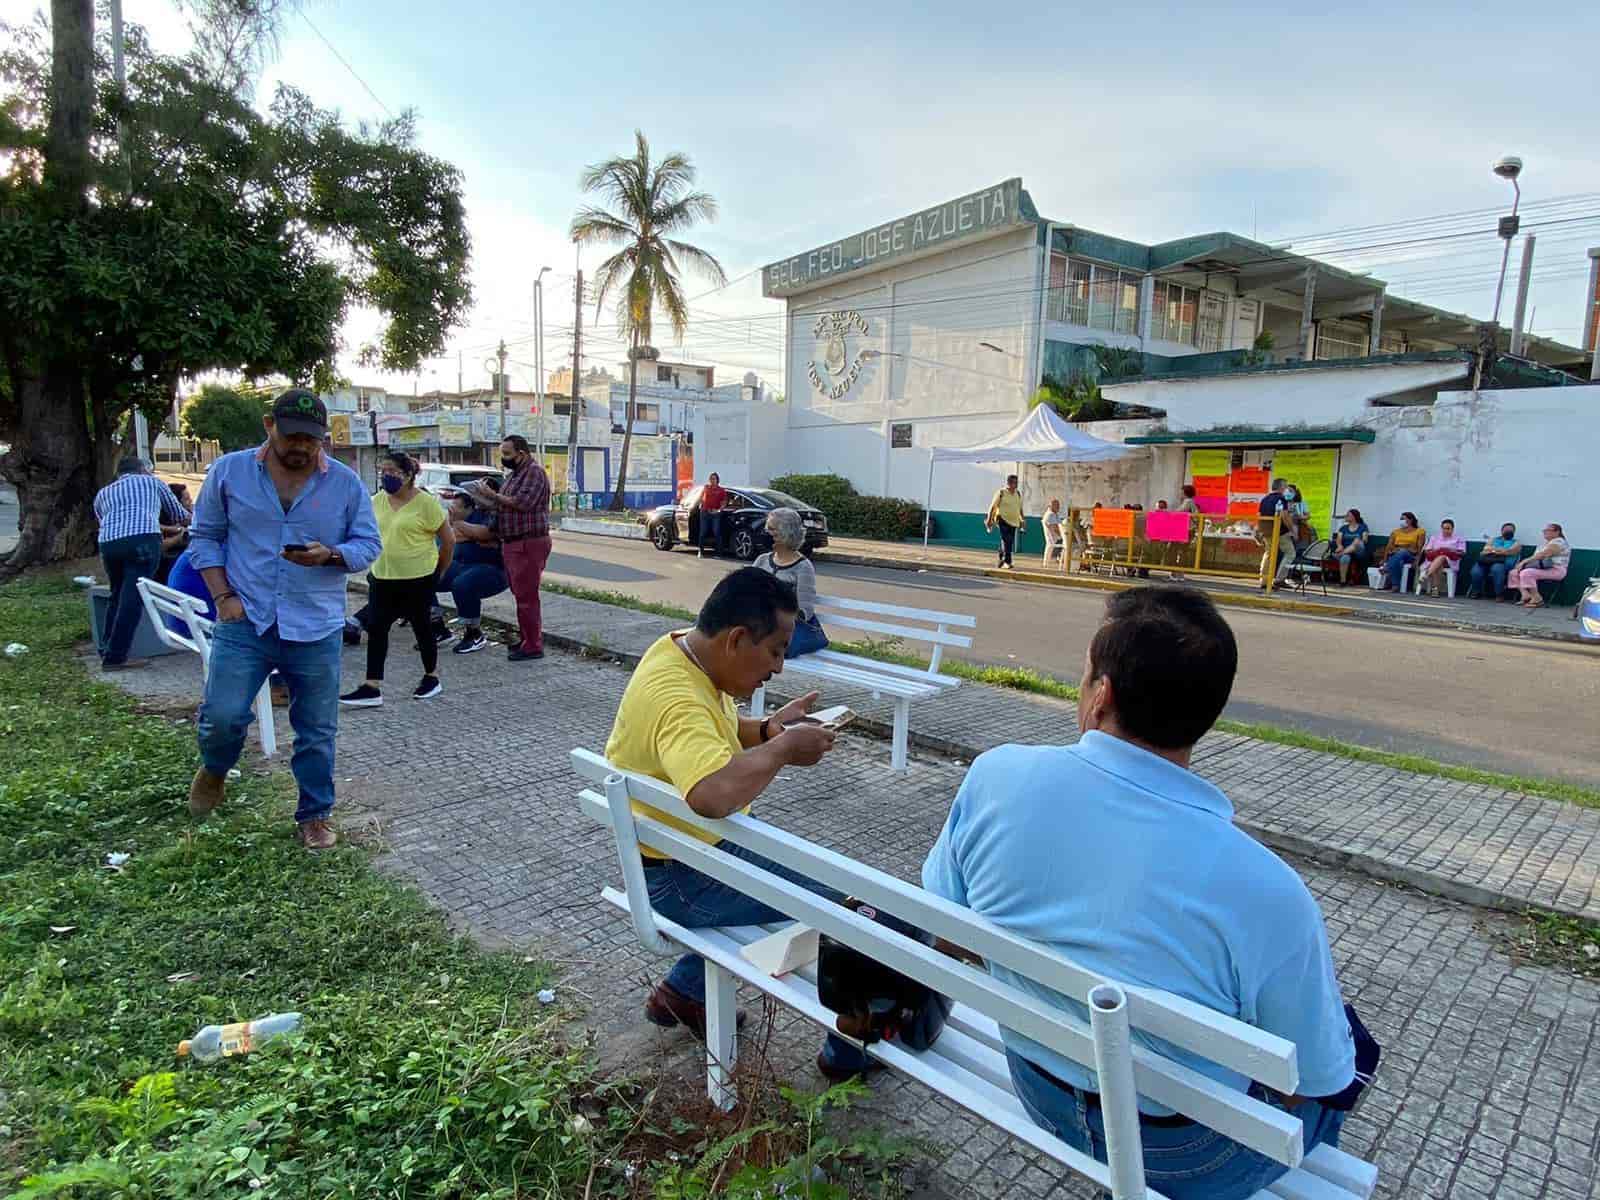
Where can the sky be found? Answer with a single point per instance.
(808, 123)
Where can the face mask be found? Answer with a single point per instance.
(393, 483)
(509, 464)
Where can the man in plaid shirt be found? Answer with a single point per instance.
(523, 508)
(132, 509)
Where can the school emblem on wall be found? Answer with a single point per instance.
(838, 337)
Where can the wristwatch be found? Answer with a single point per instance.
(766, 733)
(335, 559)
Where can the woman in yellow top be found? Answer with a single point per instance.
(1005, 510)
(417, 545)
(1404, 548)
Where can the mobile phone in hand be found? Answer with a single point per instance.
(294, 548)
(835, 718)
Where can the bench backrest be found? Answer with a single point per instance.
(908, 624)
(161, 602)
(1252, 1052)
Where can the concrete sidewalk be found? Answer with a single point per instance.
(1479, 616)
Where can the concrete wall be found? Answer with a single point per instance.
(743, 443)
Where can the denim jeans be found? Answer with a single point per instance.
(127, 560)
(807, 638)
(1395, 568)
(711, 530)
(1182, 1162)
(470, 584)
(695, 901)
(241, 660)
(1008, 542)
(1489, 578)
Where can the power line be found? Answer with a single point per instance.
(334, 50)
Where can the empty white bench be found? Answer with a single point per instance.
(901, 684)
(161, 602)
(967, 1064)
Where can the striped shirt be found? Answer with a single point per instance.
(135, 505)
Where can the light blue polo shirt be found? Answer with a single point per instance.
(1131, 866)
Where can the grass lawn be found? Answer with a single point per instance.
(425, 1066)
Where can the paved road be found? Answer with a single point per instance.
(1519, 706)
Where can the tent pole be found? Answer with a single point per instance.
(927, 509)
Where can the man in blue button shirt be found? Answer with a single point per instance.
(1116, 854)
(275, 532)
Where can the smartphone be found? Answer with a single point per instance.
(294, 547)
(835, 718)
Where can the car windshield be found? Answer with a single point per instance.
(768, 498)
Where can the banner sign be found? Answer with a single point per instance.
(414, 437)
(455, 433)
(1210, 462)
(1163, 526)
(350, 429)
(1112, 522)
(1215, 486)
(1250, 481)
(1313, 472)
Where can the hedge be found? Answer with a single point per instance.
(852, 514)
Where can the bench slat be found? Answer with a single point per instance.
(960, 620)
(876, 667)
(1355, 1176)
(902, 631)
(999, 1108)
(1269, 1130)
(1260, 1055)
(1302, 1185)
(893, 685)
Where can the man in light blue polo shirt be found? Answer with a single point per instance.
(1115, 853)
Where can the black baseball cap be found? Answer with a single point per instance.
(299, 411)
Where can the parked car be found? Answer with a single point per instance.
(744, 521)
(446, 481)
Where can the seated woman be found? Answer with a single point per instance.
(1549, 561)
(786, 562)
(1494, 563)
(1443, 551)
(1349, 545)
(1405, 544)
(477, 571)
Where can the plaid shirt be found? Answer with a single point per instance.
(525, 503)
(136, 505)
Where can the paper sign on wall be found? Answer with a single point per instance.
(1162, 526)
(1249, 481)
(1112, 522)
(1212, 505)
(1211, 485)
(1244, 508)
(1210, 462)
(1312, 471)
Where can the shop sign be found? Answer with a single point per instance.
(455, 433)
(980, 212)
(414, 437)
(350, 429)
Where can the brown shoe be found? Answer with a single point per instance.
(668, 1007)
(206, 793)
(834, 1073)
(317, 835)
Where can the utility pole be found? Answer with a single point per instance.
(577, 389)
(538, 353)
(458, 373)
(500, 379)
(1522, 296)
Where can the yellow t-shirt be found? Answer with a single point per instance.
(673, 725)
(409, 535)
(1408, 539)
(1007, 506)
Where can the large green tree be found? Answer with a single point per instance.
(651, 202)
(224, 239)
(230, 417)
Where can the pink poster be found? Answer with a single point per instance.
(1162, 526)
(1215, 505)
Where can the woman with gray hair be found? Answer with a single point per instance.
(786, 562)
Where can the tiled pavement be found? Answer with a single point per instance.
(1491, 1068)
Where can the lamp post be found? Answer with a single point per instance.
(538, 351)
(1508, 167)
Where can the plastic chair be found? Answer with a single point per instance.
(1309, 559)
(1451, 571)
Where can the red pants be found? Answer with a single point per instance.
(525, 560)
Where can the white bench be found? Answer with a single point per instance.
(161, 602)
(900, 683)
(967, 1064)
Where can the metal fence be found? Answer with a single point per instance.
(1239, 547)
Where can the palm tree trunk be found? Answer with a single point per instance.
(617, 501)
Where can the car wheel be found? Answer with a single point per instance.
(661, 535)
(744, 544)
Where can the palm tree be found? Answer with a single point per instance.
(652, 201)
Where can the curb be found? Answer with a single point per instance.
(598, 527)
(1223, 599)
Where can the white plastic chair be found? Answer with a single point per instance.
(161, 602)
(1451, 571)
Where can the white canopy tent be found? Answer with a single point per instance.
(1040, 437)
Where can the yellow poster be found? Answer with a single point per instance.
(339, 429)
(1313, 472)
(1209, 462)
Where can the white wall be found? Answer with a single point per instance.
(744, 443)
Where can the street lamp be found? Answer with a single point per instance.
(538, 352)
(1508, 167)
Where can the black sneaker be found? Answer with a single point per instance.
(442, 633)
(518, 654)
(365, 696)
(428, 688)
(471, 641)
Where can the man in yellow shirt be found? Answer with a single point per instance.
(1006, 511)
(679, 722)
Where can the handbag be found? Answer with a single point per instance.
(1368, 1052)
(882, 1001)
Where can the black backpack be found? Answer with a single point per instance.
(883, 1001)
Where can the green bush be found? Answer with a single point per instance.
(853, 515)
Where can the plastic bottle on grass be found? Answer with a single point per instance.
(224, 1041)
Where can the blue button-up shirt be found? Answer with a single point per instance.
(1131, 866)
(240, 524)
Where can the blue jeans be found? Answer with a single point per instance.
(1493, 574)
(241, 660)
(711, 530)
(1395, 568)
(471, 584)
(807, 638)
(1183, 1162)
(127, 560)
(695, 901)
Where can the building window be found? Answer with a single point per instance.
(663, 374)
(1391, 343)
(1209, 335)
(1342, 339)
(1088, 294)
(1174, 310)
(900, 435)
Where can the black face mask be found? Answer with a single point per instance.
(509, 464)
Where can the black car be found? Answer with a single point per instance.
(744, 521)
